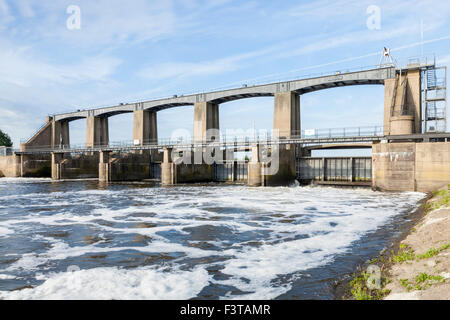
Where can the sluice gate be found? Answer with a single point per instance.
(335, 170)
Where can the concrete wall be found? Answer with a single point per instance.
(42, 138)
(260, 172)
(286, 171)
(432, 165)
(129, 167)
(36, 166)
(410, 166)
(193, 173)
(10, 166)
(81, 166)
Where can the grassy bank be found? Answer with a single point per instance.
(416, 268)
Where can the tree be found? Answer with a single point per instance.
(5, 140)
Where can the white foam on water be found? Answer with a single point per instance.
(7, 277)
(303, 227)
(23, 180)
(5, 232)
(116, 283)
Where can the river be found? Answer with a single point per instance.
(87, 240)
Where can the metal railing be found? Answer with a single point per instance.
(227, 140)
(34, 134)
(6, 151)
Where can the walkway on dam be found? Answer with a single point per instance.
(345, 138)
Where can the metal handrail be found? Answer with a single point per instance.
(347, 133)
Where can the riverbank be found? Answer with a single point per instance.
(419, 266)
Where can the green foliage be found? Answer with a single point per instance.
(433, 252)
(5, 140)
(421, 281)
(360, 291)
(403, 256)
(1, 174)
(405, 283)
(442, 200)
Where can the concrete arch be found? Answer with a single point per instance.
(373, 76)
(337, 84)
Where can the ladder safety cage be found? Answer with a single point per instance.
(434, 95)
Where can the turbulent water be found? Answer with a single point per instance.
(83, 240)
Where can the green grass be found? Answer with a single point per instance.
(442, 200)
(433, 252)
(360, 291)
(421, 281)
(423, 277)
(404, 256)
(405, 283)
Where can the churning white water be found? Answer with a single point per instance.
(83, 240)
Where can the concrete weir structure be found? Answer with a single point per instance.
(403, 157)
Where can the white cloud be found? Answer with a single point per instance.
(102, 22)
(19, 66)
(202, 68)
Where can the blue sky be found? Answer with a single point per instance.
(138, 50)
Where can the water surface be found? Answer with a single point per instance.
(85, 240)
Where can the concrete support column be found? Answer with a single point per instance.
(23, 159)
(60, 134)
(103, 167)
(254, 174)
(403, 104)
(168, 169)
(206, 116)
(97, 132)
(285, 175)
(286, 115)
(56, 165)
(145, 130)
(324, 169)
(15, 165)
(352, 164)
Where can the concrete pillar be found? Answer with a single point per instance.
(403, 104)
(56, 165)
(324, 169)
(12, 166)
(352, 165)
(254, 172)
(60, 134)
(286, 115)
(145, 130)
(286, 167)
(103, 167)
(206, 116)
(168, 170)
(97, 132)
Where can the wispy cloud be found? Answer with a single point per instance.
(20, 67)
(102, 22)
